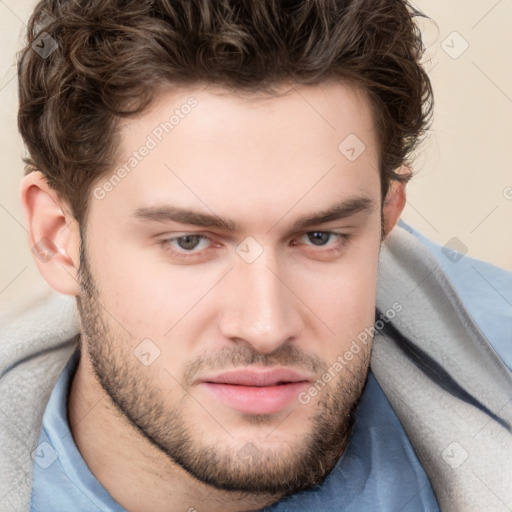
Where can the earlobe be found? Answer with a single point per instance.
(53, 234)
(394, 204)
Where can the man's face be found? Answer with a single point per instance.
(244, 239)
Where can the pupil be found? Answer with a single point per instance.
(188, 241)
(319, 237)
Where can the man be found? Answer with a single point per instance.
(212, 182)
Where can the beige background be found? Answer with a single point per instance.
(463, 188)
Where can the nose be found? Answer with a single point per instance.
(260, 307)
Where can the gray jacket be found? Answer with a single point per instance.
(449, 389)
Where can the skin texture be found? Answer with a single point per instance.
(152, 434)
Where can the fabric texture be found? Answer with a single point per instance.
(466, 451)
(378, 471)
(62, 481)
(36, 343)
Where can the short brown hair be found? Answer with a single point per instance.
(113, 56)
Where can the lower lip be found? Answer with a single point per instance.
(256, 400)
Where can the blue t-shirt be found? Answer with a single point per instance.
(379, 470)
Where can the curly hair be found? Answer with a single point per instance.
(111, 57)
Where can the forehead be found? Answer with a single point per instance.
(212, 150)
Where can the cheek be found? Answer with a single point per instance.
(344, 296)
(147, 296)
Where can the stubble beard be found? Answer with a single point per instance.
(271, 472)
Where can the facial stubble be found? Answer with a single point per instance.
(136, 394)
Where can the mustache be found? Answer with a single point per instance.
(286, 355)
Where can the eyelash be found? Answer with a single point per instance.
(338, 246)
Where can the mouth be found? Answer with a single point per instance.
(256, 392)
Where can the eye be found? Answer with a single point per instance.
(185, 243)
(322, 245)
(322, 238)
(319, 237)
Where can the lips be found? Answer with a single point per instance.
(260, 378)
(256, 391)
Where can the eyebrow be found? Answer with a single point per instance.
(166, 213)
(184, 216)
(340, 211)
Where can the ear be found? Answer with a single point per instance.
(53, 234)
(394, 203)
